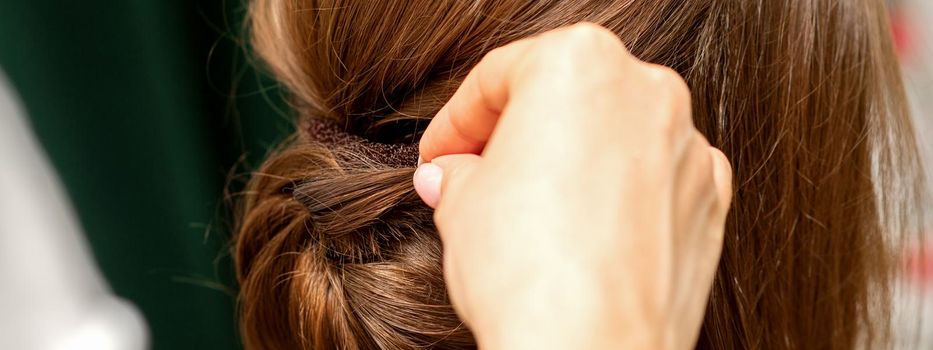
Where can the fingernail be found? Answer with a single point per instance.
(427, 180)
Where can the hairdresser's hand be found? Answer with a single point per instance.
(594, 216)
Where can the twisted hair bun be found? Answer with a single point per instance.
(341, 250)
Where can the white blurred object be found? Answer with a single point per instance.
(917, 59)
(914, 307)
(51, 293)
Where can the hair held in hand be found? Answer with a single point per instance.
(334, 250)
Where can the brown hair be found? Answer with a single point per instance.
(335, 251)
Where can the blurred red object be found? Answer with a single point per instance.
(919, 265)
(903, 31)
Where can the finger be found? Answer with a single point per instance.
(427, 181)
(465, 123)
(457, 167)
(708, 256)
(722, 176)
(432, 179)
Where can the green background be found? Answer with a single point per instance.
(146, 109)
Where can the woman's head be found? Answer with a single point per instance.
(803, 96)
(367, 65)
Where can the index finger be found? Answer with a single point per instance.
(466, 122)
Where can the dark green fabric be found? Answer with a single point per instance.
(144, 107)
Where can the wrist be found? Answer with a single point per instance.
(548, 326)
(519, 338)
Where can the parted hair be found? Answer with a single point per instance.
(334, 250)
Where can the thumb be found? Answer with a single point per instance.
(432, 179)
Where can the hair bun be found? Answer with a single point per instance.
(336, 245)
(356, 216)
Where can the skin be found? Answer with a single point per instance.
(578, 205)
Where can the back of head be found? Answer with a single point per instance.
(335, 250)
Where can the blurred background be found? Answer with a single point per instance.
(913, 36)
(147, 109)
(150, 113)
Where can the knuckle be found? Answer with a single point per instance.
(671, 99)
(493, 54)
(582, 46)
(577, 60)
(669, 84)
(669, 126)
(702, 145)
(702, 183)
(589, 33)
(705, 164)
(671, 131)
